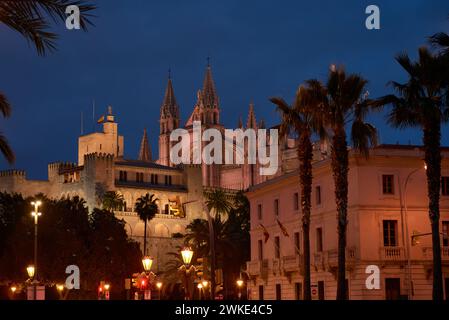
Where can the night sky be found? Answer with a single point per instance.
(258, 49)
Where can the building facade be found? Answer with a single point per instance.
(101, 167)
(387, 205)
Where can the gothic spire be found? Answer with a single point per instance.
(209, 94)
(251, 121)
(240, 123)
(145, 150)
(169, 105)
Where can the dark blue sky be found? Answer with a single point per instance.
(258, 49)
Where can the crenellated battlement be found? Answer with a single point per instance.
(13, 173)
(98, 156)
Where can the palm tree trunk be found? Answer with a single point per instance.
(340, 170)
(432, 136)
(212, 255)
(145, 239)
(305, 157)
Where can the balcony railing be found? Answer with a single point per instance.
(130, 213)
(292, 263)
(332, 257)
(257, 268)
(392, 253)
(428, 253)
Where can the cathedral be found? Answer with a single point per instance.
(207, 111)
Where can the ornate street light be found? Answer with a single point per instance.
(30, 271)
(187, 255)
(147, 262)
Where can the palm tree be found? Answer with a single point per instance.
(112, 200)
(343, 103)
(146, 208)
(5, 149)
(31, 18)
(304, 118)
(216, 200)
(441, 41)
(423, 102)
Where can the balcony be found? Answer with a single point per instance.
(332, 257)
(292, 263)
(257, 268)
(428, 254)
(394, 254)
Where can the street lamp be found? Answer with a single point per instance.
(60, 288)
(187, 255)
(31, 271)
(147, 262)
(200, 287)
(36, 214)
(405, 221)
(159, 287)
(240, 285)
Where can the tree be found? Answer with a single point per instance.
(68, 235)
(343, 103)
(112, 200)
(146, 208)
(217, 201)
(422, 102)
(304, 118)
(31, 19)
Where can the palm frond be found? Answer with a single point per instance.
(30, 19)
(6, 150)
(5, 107)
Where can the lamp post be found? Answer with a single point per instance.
(407, 235)
(159, 287)
(200, 287)
(187, 255)
(239, 286)
(36, 214)
(13, 291)
(60, 288)
(147, 263)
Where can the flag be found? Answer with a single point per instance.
(283, 229)
(101, 120)
(265, 233)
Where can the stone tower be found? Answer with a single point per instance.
(168, 121)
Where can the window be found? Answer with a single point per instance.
(298, 291)
(296, 201)
(320, 290)
(388, 184)
(260, 249)
(297, 243)
(154, 179)
(123, 175)
(278, 291)
(167, 209)
(445, 186)
(260, 292)
(259, 211)
(390, 233)
(139, 176)
(276, 207)
(277, 248)
(445, 231)
(319, 239)
(318, 195)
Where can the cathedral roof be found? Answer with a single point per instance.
(145, 150)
